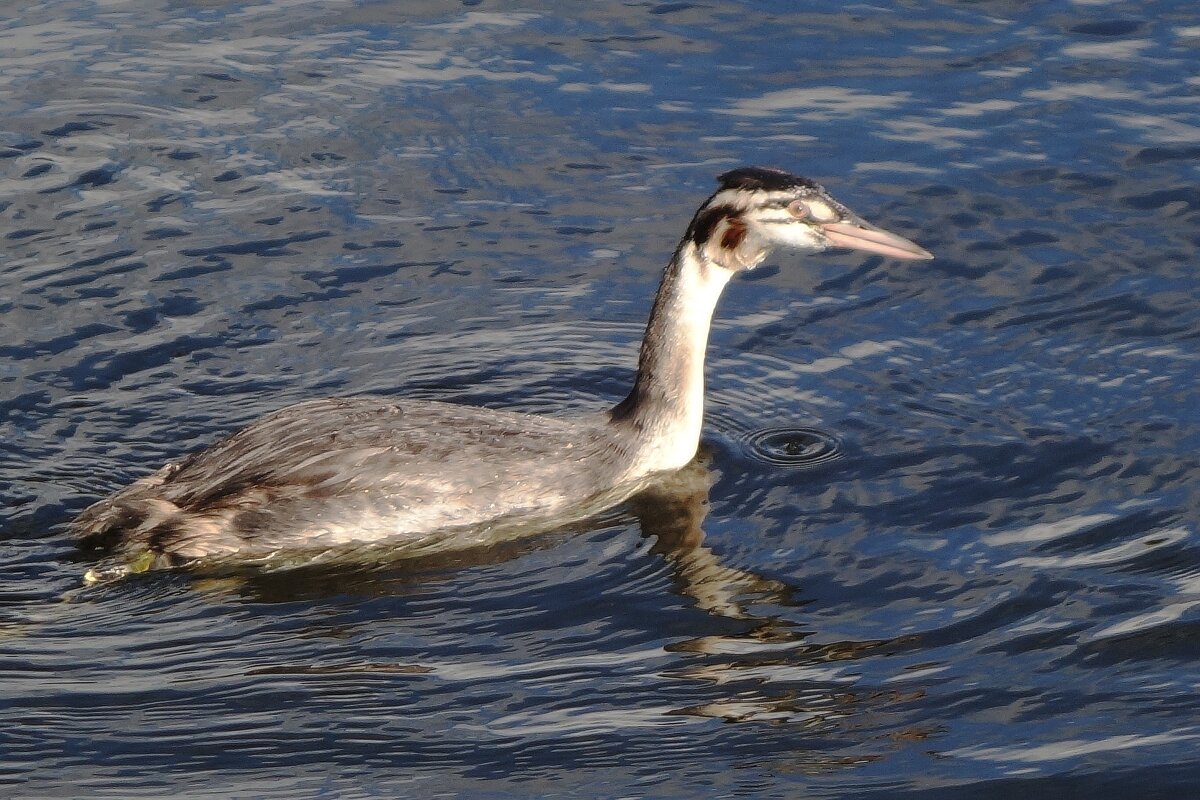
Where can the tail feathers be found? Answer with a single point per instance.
(129, 514)
(137, 520)
(126, 517)
(126, 527)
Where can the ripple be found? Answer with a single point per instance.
(792, 447)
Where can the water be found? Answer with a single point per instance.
(943, 539)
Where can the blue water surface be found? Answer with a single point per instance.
(942, 540)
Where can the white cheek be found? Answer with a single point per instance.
(797, 235)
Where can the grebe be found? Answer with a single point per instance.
(360, 470)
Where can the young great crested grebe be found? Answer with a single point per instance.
(360, 470)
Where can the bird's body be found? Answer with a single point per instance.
(361, 470)
(343, 470)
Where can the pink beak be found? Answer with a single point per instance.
(863, 236)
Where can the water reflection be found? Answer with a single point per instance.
(759, 668)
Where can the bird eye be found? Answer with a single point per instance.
(798, 209)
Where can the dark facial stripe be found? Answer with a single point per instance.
(706, 221)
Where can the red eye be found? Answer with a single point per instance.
(797, 209)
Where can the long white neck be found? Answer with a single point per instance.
(665, 410)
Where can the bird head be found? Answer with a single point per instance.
(757, 209)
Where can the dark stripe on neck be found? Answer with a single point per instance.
(642, 395)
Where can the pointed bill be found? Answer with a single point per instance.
(868, 238)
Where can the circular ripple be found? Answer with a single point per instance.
(792, 447)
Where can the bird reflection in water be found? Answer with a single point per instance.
(760, 667)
